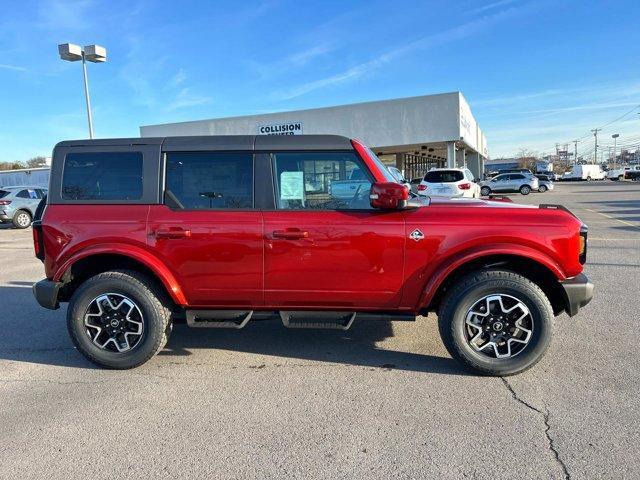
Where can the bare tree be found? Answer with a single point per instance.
(527, 158)
(37, 162)
(11, 165)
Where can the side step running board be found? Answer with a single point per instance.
(329, 320)
(336, 320)
(218, 318)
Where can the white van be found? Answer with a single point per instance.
(587, 172)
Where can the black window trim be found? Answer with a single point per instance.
(164, 190)
(151, 163)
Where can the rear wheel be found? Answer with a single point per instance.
(485, 191)
(496, 322)
(525, 189)
(118, 319)
(21, 219)
(588, 179)
(542, 189)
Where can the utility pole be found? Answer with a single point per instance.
(615, 145)
(595, 149)
(575, 151)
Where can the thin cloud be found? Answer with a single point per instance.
(15, 68)
(456, 33)
(186, 99)
(178, 78)
(490, 6)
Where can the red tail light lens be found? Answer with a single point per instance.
(464, 186)
(5, 202)
(38, 240)
(422, 188)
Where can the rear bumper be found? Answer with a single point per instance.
(46, 293)
(578, 292)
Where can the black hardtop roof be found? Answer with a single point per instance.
(224, 142)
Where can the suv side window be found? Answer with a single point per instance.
(210, 180)
(102, 176)
(321, 181)
(517, 176)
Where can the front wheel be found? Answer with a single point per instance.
(589, 179)
(118, 319)
(525, 189)
(496, 322)
(485, 191)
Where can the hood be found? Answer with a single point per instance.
(476, 202)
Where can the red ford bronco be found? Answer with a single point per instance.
(221, 230)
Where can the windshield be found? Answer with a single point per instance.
(443, 176)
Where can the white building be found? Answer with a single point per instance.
(414, 134)
(28, 177)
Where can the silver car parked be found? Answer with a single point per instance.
(509, 182)
(18, 204)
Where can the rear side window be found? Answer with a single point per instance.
(443, 176)
(210, 180)
(102, 176)
(4, 193)
(517, 176)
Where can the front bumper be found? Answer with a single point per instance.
(578, 292)
(46, 293)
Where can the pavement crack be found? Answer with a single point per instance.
(545, 417)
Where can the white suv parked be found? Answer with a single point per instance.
(449, 182)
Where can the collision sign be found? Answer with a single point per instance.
(288, 128)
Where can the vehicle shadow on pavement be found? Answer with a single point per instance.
(35, 335)
(357, 346)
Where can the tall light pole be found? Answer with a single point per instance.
(615, 144)
(92, 53)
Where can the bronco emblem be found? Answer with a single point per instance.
(416, 235)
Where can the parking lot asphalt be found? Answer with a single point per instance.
(383, 400)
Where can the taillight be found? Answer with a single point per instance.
(38, 240)
(422, 188)
(582, 254)
(464, 186)
(5, 202)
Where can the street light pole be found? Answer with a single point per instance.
(86, 94)
(92, 53)
(615, 145)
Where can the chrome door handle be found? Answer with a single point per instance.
(290, 234)
(172, 233)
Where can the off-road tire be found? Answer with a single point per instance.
(467, 291)
(525, 189)
(147, 295)
(17, 219)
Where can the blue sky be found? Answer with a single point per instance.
(534, 72)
